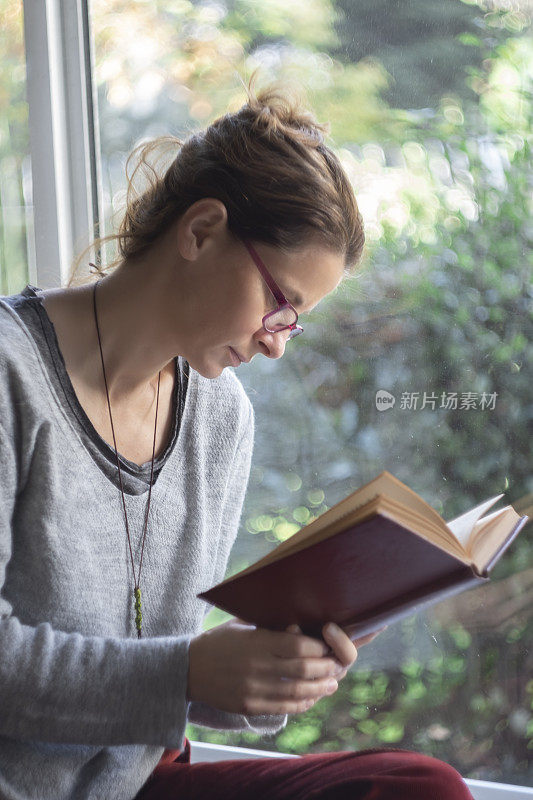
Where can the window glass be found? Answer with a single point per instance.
(16, 205)
(430, 111)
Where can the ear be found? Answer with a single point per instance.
(203, 219)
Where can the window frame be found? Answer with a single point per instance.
(64, 135)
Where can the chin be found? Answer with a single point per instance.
(209, 372)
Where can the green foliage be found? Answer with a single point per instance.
(423, 47)
(298, 739)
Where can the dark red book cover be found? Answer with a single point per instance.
(365, 577)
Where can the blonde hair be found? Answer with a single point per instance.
(268, 164)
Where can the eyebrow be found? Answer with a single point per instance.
(296, 299)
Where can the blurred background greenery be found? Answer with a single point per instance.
(430, 107)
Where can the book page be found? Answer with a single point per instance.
(489, 534)
(462, 526)
(398, 512)
(384, 484)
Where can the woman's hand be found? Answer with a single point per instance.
(239, 668)
(343, 648)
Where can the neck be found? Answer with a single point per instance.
(138, 338)
(132, 329)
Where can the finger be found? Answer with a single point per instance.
(287, 645)
(289, 689)
(294, 629)
(300, 668)
(339, 676)
(341, 644)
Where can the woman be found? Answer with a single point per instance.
(117, 415)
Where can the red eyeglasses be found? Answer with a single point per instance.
(285, 315)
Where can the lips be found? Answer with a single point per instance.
(239, 356)
(236, 357)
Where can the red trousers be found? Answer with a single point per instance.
(385, 774)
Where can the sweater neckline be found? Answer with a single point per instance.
(174, 446)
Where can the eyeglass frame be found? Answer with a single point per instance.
(276, 291)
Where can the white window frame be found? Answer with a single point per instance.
(68, 202)
(64, 135)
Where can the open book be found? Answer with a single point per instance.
(373, 558)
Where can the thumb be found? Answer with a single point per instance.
(293, 628)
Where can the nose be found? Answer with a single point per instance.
(273, 343)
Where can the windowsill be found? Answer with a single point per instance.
(481, 790)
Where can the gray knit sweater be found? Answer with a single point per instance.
(86, 708)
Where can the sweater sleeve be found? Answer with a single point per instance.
(69, 688)
(202, 713)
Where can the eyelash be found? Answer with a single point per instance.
(272, 302)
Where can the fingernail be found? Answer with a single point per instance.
(332, 628)
(331, 686)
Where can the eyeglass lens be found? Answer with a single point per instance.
(280, 319)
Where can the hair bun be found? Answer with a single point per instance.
(274, 110)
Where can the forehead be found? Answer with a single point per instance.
(308, 274)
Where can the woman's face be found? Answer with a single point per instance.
(234, 298)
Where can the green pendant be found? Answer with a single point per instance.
(138, 614)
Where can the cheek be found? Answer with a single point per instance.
(230, 324)
(248, 322)
(250, 314)
(244, 306)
